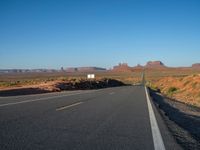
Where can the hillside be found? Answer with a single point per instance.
(184, 89)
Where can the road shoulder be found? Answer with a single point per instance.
(183, 125)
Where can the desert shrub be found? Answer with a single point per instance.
(12, 83)
(4, 84)
(181, 79)
(194, 75)
(152, 86)
(63, 78)
(194, 85)
(199, 95)
(186, 83)
(171, 91)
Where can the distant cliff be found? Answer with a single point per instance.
(121, 67)
(78, 69)
(84, 69)
(196, 66)
(155, 64)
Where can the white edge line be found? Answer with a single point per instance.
(65, 107)
(157, 138)
(42, 99)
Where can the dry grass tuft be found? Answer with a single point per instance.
(185, 89)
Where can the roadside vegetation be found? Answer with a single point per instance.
(13, 84)
(171, 91)
(18, 80)
(182, 85)
(183, 88)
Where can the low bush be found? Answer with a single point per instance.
(171, 91)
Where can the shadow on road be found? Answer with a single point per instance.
(22, 91)
(189, 123)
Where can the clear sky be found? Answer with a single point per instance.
(56, 33)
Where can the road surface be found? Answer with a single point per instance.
(106, 119)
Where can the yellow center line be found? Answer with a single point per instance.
(68, 106)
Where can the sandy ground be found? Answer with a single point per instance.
(59, 85)
(187, 88)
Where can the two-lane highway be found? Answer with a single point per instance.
(112, 118)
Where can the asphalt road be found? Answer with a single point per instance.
(106, 119)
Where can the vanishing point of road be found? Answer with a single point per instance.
(120, 118)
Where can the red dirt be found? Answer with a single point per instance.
(188, 88)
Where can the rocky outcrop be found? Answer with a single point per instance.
(58, 86)
(86, 84)
(155, 64)
(122, 67)
(196, 66)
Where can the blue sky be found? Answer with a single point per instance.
(52, 34)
